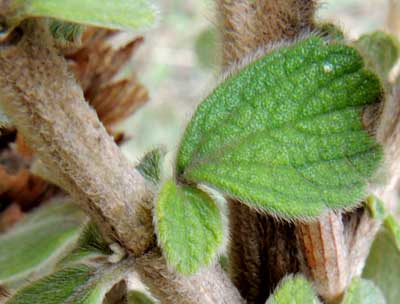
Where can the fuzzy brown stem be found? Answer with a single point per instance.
(249, 24)
(44, 101)
(208, 286)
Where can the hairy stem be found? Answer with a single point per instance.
(249, 24)
(208, 286)
(43, 100)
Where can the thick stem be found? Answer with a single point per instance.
(43, 100)
(208, 286)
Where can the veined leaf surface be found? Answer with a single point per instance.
(189, 227)
(363, 292)
(285, 134)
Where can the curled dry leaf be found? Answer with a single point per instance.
(104, 53)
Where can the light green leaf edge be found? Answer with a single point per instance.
(37, 243)
(188, 227)
(363, 291)
(322, 162)
(393, 226)
(293, 290)
(115, 14)
(80, 284)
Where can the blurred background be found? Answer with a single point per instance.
(178, 62)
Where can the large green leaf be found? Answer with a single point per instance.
(81, 284)
(294, 290)
(383, 266)
(189, 227)
(115, 14)
(363, 292)
(35, 245)
(285, 133)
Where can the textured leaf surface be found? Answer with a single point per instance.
(78, 285)
(39, 241)
(116, 14)
(381, 51)
(363, 292)
(189, 227)
(294, 290)
(285, 133)
(383, 266)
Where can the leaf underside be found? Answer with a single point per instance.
(39, 241)
(285, 134)
(116, 14)
(189, 227)
(293, 290)
(383, 266)
(363, 292)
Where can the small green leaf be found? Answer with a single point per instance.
(116, 14)
(189, 227)
(206, 48)
(383, 266)
(81, 284)
(66, 33)
(285, 133)
(393, 227)
(37, 243)
(137, 297)
(381, 51)
(90, 246)
(293, 290)
(150, 165)
(363, 292)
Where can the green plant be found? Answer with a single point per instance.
(298, 140)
